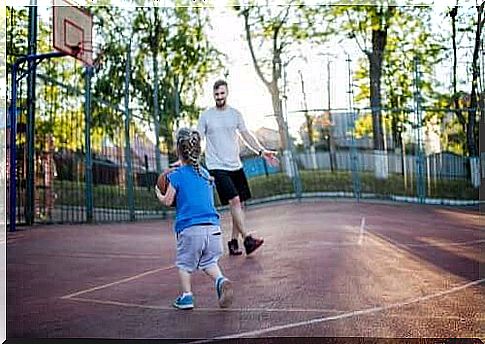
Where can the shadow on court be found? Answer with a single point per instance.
(327, 269)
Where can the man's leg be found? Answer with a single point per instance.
(227, 191)
(250, 243)
(237, 226)
(237, 218)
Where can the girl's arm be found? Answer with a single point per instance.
(169, 196)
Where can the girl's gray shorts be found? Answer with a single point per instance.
(198, 247)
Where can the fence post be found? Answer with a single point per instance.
(88, 173)
(420, 182)
(128, 170)
(32, 50)
(156, 116)
(290, 153)
(354, 163)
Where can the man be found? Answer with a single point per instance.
(220, 126)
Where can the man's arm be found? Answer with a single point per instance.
(202, 126)
(252, 143)
(202, 129)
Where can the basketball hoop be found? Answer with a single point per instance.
(72, 31)
(75, 49)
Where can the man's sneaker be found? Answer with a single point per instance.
(184, 302)
(234, 248)
(251, 244)
(225, 292)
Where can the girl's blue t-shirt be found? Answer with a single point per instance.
(194, 198)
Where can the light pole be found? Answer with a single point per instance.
(331, 141)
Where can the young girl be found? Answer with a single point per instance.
(197, 224)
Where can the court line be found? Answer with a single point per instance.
(344, 315)
(361, 232)
(208, 309)
(117, 282)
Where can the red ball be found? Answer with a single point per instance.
(162, 180)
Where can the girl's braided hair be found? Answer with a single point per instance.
(188, 147)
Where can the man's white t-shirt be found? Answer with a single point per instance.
(220, 129)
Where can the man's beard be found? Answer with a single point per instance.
(220, 103)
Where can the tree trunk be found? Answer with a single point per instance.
(278, 111)
(375, 60)
(472, 143)
(456, 103)
(379, 38)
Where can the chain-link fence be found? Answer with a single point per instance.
(66, 142)
(118, 185)
(341, 161)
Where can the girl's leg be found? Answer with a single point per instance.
(186, 300)
(214, 272)
(223, 285)
(185, 281)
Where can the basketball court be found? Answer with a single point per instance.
(327, 269)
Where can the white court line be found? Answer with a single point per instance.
(345, 315)
(361, 232)
(117, 282)
(208, 309)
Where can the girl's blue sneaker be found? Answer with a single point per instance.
(224, 292)
(184, 302)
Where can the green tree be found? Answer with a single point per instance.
(409, 37)
(273, 34)
(369, 26)
(173, 60)
(16, 34)
(464, 39)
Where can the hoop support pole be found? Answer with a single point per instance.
(13, 131)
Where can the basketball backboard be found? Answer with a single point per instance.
(72, 31)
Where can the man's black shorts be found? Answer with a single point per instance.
(230, 184)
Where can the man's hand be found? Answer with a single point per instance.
(270, 157)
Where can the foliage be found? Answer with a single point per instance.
(16, 33)
(274, 35)
(174, 39)
(409, 38)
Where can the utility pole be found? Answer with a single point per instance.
(333, 158)
(307, 116)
